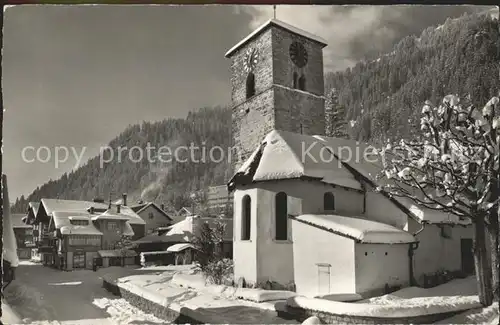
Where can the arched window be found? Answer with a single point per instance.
(295, 80)
(250, 85)
(281, 215)
(246, 215)
(329, 201)
(302, 82)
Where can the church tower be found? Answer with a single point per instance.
(277, 84)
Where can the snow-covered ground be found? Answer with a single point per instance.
(198, 282)
(29, 262)
(121, 312)
(484, 316)
(188, 289)
(456, 295)
(43, 296)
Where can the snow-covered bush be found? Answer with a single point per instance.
(218, 271)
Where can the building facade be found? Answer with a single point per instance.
(81, 234)
(316, 217)
(153, 215)
(24, 236)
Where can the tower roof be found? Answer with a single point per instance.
(279, 23)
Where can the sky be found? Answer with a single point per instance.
(77, 76)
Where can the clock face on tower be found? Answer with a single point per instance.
(298, 54)
(250, 60)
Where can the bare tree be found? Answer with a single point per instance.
(454, 168)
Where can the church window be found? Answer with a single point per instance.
(295, 80)
(328, 201)
(250, 85)
(302, 82)
(281, 215)
(246, 217)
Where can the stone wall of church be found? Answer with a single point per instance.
(299, 112)
(263, 69)
(252, 121)
(284, 68)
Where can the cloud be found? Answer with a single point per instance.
(357, 32)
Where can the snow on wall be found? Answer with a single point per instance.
(303, 197)
(379, 208)
(326, 248)
(363, 230)
(269, 267)
(378, 265)
(245, 252)
(435, 252)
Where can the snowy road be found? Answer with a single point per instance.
(42, 295)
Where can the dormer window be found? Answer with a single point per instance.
(80, 222)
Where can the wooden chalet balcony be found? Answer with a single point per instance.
(46, 249)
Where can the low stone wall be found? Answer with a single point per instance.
(327, 318)
(185, 316)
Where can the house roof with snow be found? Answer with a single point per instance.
(17, 220)
(280, 24)
(179, 247)
(32, 211)
(335, 161)
(361, 230)
(52, 205)
(142, 207)
(153, 238)
(188, 227)
(49, 206)
(125, 213)
(34, 206)
(62, 220)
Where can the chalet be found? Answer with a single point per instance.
(74, 233)
(24, 235)
(184, 231)
(177, 239)
(364, 240)
(154, 216)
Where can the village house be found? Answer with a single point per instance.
(308, 213)
(24, 236)
(175, 242)
(155, 216)
(77, 234)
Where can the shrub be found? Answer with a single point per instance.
(219, 271)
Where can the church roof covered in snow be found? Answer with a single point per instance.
(287, 155)
(360, 230)
(278, 23)
(347, 163)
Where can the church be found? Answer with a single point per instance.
(306, 217)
